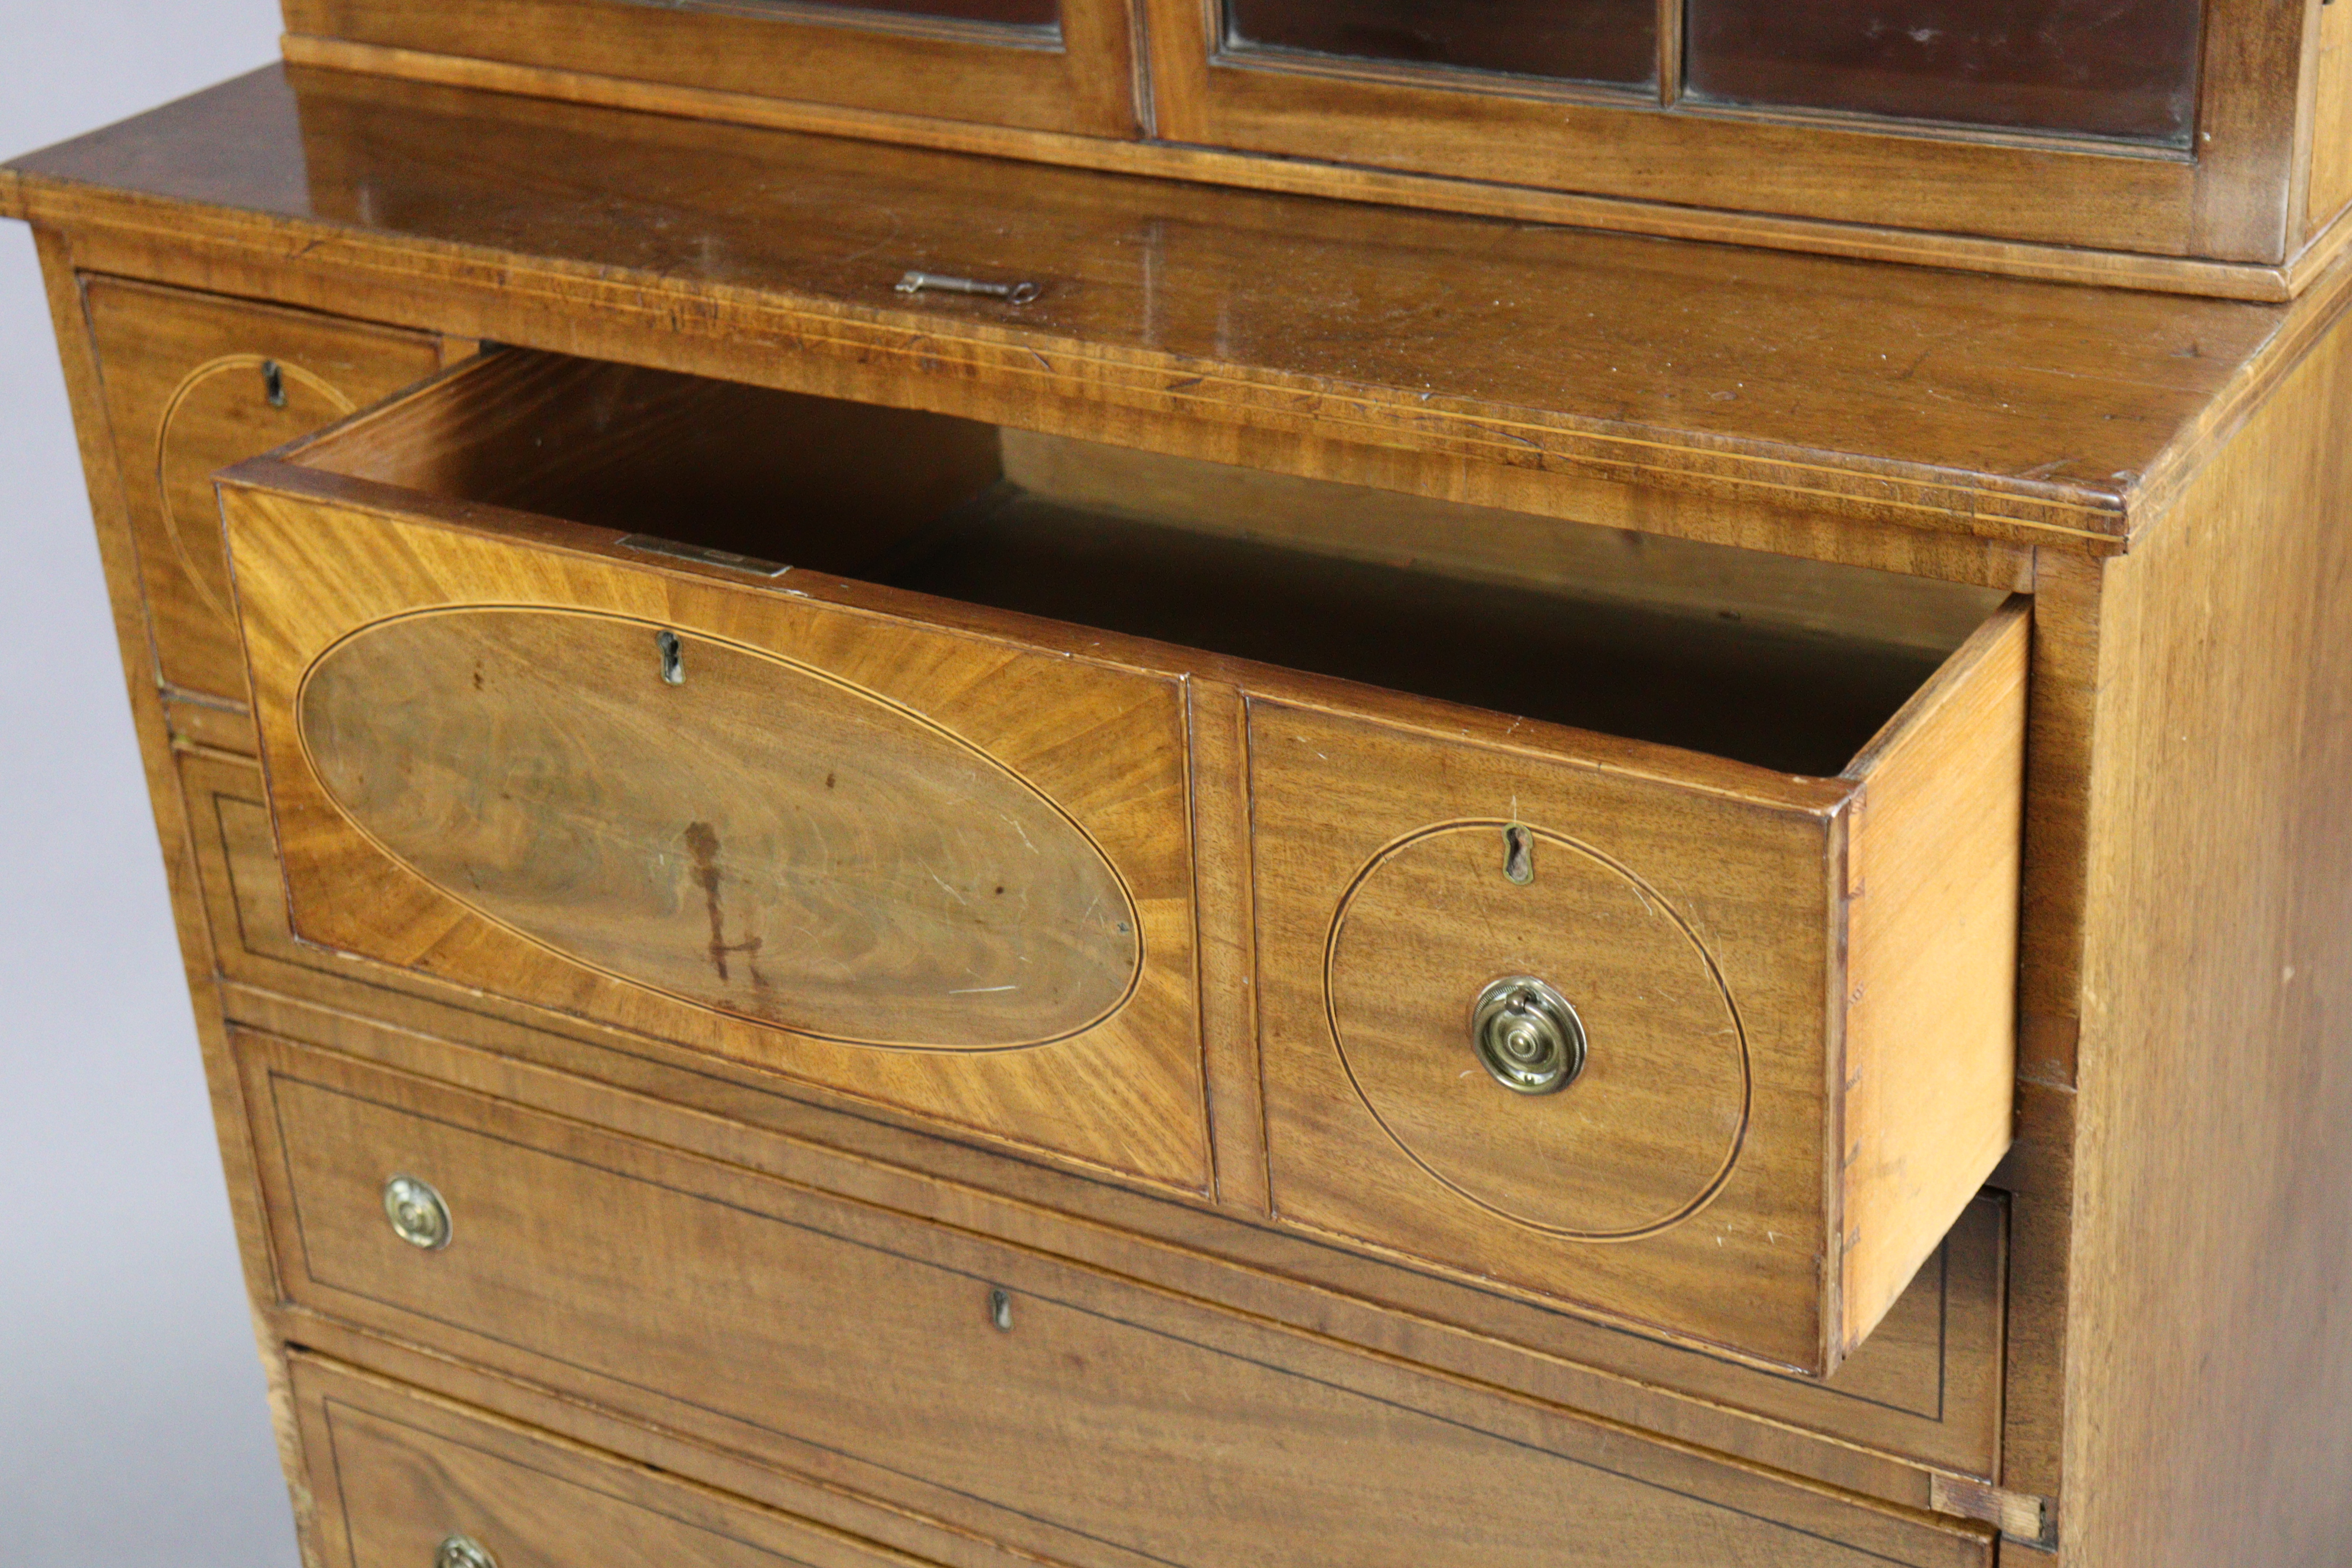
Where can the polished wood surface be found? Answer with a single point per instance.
(1944, 404)
(1073, 73)
(1834, 120)
(195, 383)
(1923, 1390)
(1721, 963)
(1612, 569)
(2112, 1357)
(1114, 1083)
(2329, 185)
(398, 1474)
(963, 859)
(2011, 258)
(1930, 985)
(750, 835)
(2214, 1192)
(978, 1384)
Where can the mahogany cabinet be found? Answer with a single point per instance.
(891, 856)
(2197, 145)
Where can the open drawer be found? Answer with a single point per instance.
(1700, 1022)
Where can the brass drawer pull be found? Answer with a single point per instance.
(459, 1552)
(418, 1216)
(1528, 1037)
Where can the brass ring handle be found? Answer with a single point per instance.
(419, 1216)
(458, 1552)
(1528, 1037)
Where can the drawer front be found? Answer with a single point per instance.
(1037, 1403)
(940, 872)
(195, 383)
(1924, 1387)
(398, 1477)
(1676, 1176)
(1715, 1062)
(916, 834)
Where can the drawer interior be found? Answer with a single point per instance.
(1784, 663)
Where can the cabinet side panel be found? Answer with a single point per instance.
(111, 514)
(2210, 1368)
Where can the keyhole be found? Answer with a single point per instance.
(1519, 855)
(1000, 1309)
(673, 657)
(273, 384)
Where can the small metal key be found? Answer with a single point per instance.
(1011, 293)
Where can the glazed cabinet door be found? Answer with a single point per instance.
(2028, 119)
(1038, 65)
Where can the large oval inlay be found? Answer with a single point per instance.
(750, 835)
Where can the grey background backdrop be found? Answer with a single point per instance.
(133, 1426)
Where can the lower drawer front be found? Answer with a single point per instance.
(403, 1481)
(1047, 1407)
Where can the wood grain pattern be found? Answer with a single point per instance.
(1659, 1113)
(1078, 76)
(1488, 544)
(113, 511)
(727, 1292)
(2329, 187)
(750, 836)
(1224, 893)
(1925, 1386)
(393, 678)
(1709, 943)
(2008, 259)
(186, 393)
(1517, 133)
(1932, 879)
(398, 1473)
(1512, 130)
(1947, 406)
(806, 481)
(219, 196)
(2209, 1383)
(1106, 745)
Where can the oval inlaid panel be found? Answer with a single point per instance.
(721, 826)
(220, 413)
(1649, 1130)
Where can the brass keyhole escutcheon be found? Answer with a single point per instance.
(459, 1552)
(1528, 1037)
(418, 1215)
(1519, 855)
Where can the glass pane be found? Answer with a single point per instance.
(2094, 68)
(1004, 12)
(1614, 41)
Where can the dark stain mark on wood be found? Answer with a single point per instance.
(702, 842)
